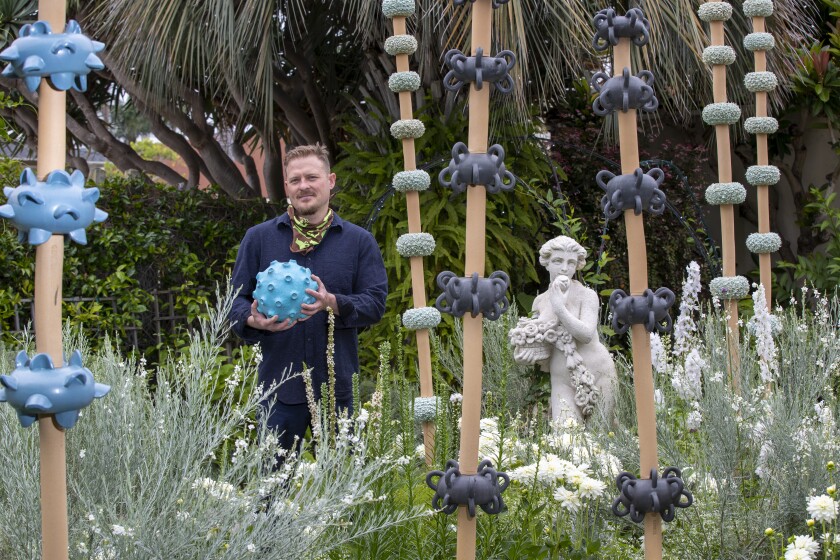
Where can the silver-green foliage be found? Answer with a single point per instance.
(162, 470)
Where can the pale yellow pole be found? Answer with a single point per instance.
(637, 259)
(727, 211)
(479, 109)
(762, 158)
(49, 264)
(418, 287)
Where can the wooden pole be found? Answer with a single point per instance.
(727, 211)
(49, 264)
(418, 289)
(637, 259)
(762, 158)
(479, 107)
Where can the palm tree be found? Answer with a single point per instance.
(259, 70)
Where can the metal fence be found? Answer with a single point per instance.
(152, 327)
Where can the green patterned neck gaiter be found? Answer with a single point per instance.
(305, 236)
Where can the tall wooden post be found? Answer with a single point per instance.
(49, 264)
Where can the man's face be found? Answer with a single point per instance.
(562, 263)
(308, 186)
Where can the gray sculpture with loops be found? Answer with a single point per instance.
(479, 69)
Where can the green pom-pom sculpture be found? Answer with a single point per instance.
(421, 318)
(407, 128)
(394, 8)
(715, 11)
(400, 44)
(404, 81)
(764, 242)
(719, 55)
(416, 245)
(759, 42)
(721, 113)
(416, 180)
(758, 8)
(760, 81)
(761, 125)
(730, 287)
(426, 408)
(726, 193)
(763, 175)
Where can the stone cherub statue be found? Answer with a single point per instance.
(562, 337)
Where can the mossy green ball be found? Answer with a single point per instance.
(416, 244)
(763, 175)
(719, 55)
(760, 81)
(404, 81)
(721, 113)
(759, 42)
(407, 128)
(719, 194)
(421, 318)
(758, 8)
(415, 180)
(715, 11)
(730, 287)
(764, 242)
(393, 8)
(761, 125)
(400, 44)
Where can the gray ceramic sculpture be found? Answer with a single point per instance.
(562, 337)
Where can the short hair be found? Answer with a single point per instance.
(562, 243)
(307, 150)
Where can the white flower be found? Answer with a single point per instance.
(82, 453)
(456, 398)
(693, 420)
(251, 548)
(802, 544)
(591, 488)
(685, 328)
(822, 508)
(569, 500)
(657, 353)
(119, 530)
(765, 346)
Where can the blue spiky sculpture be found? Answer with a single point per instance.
(65, 58)
(281, 289)
(37, 387)
(61, 205)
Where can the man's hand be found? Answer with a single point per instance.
(323, 299)
(259, 321)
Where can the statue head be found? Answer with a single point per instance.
(562, 255)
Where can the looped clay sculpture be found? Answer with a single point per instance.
(650, 309)
(474, 295)
(66, 58)
(281, 289)
(477, 169)
(37, 387)
(483, 489)
(610, 27)
(638, 190)
(657, 495)
(478, 69)
(622, 93)
(60, 205)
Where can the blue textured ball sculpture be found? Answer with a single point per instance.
(60, 205)
(281, 289)
(36, 387)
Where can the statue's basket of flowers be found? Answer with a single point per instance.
(533, 334)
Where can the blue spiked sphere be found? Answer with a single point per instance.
(66, 58)
(60, 205)
(37, 387)
(281, 289)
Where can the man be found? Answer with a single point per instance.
(347, 266)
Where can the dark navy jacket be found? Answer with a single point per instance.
(349, 263)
